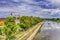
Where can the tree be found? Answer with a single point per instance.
(10, 30)
(28, 21)
(1, 31)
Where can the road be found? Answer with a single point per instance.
(29, 35)
(49, 31)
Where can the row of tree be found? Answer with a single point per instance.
(54, 19)
(11, 28)
(28, 21)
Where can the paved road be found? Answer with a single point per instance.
(49, 31)
(29, 32)
(35, 31)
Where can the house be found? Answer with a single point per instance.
(2, 21)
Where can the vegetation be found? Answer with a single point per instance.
(11, 28)
(54, 19)
(1, 31)
(28, 21)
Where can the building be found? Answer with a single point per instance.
(17, 20)
(2, 21)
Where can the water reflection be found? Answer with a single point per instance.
(49, 31)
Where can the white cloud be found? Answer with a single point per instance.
(16, 0)
(25, 9)
(55, 1)
(3, 2)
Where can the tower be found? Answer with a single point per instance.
(11, 14)
(17, 19)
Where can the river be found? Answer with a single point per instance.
(49, 31)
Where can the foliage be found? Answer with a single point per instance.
(55, 19)
(28, 21)
(1, 31)
(10, 28)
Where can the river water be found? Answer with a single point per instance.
(49, 31)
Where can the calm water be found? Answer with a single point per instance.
(49, 31)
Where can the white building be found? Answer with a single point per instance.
(17, 20)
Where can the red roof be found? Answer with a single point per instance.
(2, 19)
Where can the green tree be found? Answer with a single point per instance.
(28, 21)
(10, 30)
(1, 31)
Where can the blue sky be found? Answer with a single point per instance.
(42, 8)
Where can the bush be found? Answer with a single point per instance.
(28, 21)
(10, 28)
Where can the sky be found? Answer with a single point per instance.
(41, 8)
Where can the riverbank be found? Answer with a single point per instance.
(49, 31)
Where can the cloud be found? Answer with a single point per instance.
(48, 4)
(42, 8)
(23, 9)
(55, 1)
(15, 0)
